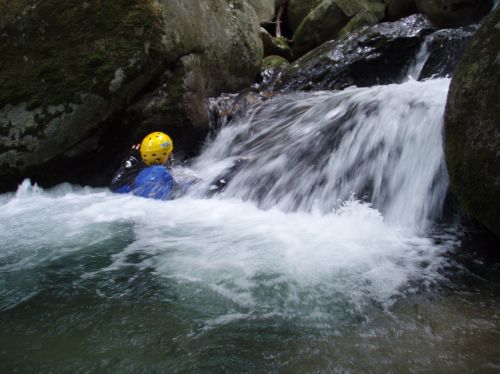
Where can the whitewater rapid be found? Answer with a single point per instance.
(292, 235)
(313, 151)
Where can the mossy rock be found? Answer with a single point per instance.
(69, 70)
(298, 10)
(275, 45)
(369, 17)
(274, 62)
(323, 23)
(53, 51)
(333, 18)
(454, 13)
(472, 126)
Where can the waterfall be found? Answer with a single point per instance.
(313, 151)
(418, 64)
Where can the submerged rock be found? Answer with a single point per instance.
(472, 126)
(69, 70)
(373, 55)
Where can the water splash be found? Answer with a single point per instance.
(312, 151)
(418, 63)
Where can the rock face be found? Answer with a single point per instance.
(373, 55)
(454, 13)
(396, 9)
(69, 70)
(332, 18)
(472, 126)
(264, 9)
(298, 10)
(445, 48)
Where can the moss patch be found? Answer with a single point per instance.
(52, 50)
(274, 62)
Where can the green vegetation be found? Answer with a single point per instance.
(53, 50)
(274, 62)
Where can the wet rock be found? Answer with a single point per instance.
(454, 13)
(332, 18)
(472, 126)
(445, 48)
(227, 107)
(69, 70)
(373, 55)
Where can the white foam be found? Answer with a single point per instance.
(229, 247)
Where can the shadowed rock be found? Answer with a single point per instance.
(472, 126)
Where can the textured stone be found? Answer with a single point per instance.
(69, 71)
(472, 126)
(377, 54)
(298, 10)
(332, 18)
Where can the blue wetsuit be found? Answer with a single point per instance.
(147, 181)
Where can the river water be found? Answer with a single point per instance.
(326, 251)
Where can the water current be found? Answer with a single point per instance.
(325, 251)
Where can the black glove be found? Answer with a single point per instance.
(130, 167)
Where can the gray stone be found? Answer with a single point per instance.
(265, 9)
(332, 18)
(275, 45)
(66, 88)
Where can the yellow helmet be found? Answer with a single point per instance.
(156, 148)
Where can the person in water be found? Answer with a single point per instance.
(144, 170)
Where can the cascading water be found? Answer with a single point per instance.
(317, 256)
(306, 152)
(418, 64)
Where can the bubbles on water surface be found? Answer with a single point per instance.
(253, 262)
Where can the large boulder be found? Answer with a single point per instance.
(297, 10)
(444, 48)
(265, 9)
(472, 126)
(69, 70)
(332, 18)
(454, 13)
(378, 54)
